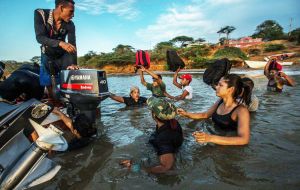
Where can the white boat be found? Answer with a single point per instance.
(280, 56)
(261, 64)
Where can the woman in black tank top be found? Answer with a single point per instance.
(227, 113)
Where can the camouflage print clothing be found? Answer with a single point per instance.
(163, 109)
(157, 91)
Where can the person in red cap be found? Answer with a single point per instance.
(187, 90)
(277, 78)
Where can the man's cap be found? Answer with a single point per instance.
(187, 77)
(163, 109)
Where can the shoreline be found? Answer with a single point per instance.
(291, 70)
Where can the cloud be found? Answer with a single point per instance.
(188, 20)
(122, 8)
(220, 2)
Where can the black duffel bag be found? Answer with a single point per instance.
(216, 71)
(174, 61)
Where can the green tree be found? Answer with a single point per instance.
(163, 46)
(222, 40)
(226, 30)
(269, 30)
(123, 49)
(89, 55)
(230, 53)
(36, 59)
(182, 40)
(294, 35)
(200, 40)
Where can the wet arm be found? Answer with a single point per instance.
(116, 98)
(142, 78)
(175, 80)
(168, 95)
(67, 121)
(203, 115)
(166, 163)
(182, 96)
(152, 74)
(266, 69)
(289, 81)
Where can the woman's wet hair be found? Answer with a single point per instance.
(241, 90)
(249, 82)
(84, 126)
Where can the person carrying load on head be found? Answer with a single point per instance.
(133, 100)
(158, 87)
(166, 139)
(277, 78)
(187, 90)
(51, 29)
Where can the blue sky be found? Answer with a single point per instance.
(103, 24)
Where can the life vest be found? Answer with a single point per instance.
(142, 59)
(174, 61)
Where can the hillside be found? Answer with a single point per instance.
(237, 61)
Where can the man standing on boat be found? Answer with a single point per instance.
(51, 29)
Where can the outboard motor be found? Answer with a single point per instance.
(83, 90)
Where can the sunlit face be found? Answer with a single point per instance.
(222, 88)
(155, 82)
(67, 12)
(273, 73)
(135, 94)
(184, 82)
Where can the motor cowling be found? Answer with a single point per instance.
(84, 89)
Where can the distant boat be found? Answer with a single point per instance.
(261, 64)
(280, 56)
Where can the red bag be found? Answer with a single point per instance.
(142, 59)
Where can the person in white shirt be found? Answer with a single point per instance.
(187, 90)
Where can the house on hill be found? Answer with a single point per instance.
(245, 42)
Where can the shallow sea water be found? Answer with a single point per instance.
(270, 161)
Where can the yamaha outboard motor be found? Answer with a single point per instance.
(83, 90)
